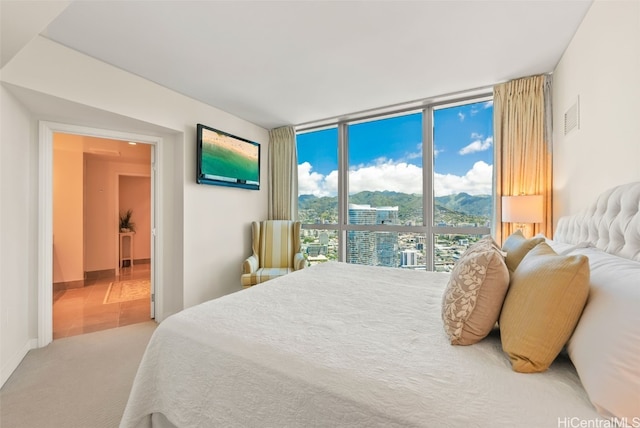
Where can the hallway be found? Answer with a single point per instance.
(83, 310)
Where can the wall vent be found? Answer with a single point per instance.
(572, 117)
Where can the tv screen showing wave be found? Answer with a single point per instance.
(226, 159)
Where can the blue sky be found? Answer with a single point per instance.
(386, 154)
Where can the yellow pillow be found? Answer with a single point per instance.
(543, 305)
(517, 246)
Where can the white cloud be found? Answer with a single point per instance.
(396, 176)
(477, 181)
(331, 183)
(400, 177)
(461, 116)
(414, 155)
(478, 145)
(312, 183)
(488, 104)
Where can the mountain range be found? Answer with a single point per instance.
(409, 205)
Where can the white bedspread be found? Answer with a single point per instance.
(340, 345)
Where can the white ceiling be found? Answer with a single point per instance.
(278, 63)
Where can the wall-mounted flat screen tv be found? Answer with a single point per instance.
(227, 160)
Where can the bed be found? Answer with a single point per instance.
(359, 346)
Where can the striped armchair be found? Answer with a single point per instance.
(276, 251)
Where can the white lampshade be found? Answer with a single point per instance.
(522, 209)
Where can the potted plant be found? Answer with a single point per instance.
(126, 225)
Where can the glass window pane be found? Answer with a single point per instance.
(373, 248)
(319, 246)
(412, 250)
(385, 169)
(385, 175)
(368, 247)
(318, 176)
(463, 165)
(392, 249)
(449, 248)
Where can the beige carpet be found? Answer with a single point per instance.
(122, 291)
(81, 381)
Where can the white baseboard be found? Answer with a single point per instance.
(9, 366)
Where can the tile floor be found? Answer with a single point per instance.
(81, 310)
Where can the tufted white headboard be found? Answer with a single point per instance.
(611, 224)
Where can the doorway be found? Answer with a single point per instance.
(89, 293)
(93, 146)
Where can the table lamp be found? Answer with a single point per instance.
(522, 209)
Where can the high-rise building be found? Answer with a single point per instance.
(323, 238)
(368, 247)
(386, 215)
(361, 243)
(386, 242)
(387, 249)
(409, 258)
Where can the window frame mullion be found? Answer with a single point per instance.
(343, 189)
(427, 184)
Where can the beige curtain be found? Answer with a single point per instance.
(283, 174)
(523, 147)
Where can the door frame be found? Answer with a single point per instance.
(45, 214)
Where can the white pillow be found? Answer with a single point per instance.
(605, 346)
(562, 248)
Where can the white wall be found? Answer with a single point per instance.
(205, 228)
(17, 223)
(67, 209)
(602, 67)
(135, 194)
(101, 220)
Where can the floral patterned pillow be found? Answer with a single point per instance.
(473, 298)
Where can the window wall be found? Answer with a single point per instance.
(411, 189)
